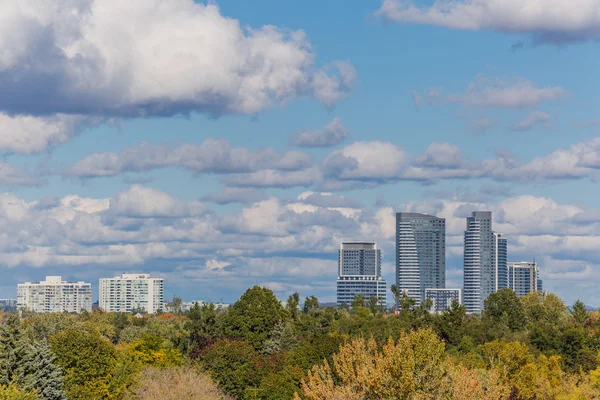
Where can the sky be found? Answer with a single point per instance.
(227, 144)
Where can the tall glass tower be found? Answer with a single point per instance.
(485, 256)
(420, 253)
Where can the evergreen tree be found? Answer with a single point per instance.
(282, 338)
(37, 371)
(580, 313)
(11, 348)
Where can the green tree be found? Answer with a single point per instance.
(37, 372)
(254, 316)
(282, 338)
(92, 367)
(504, 307)
(234, 365)
(580, 313)
(373, 305)
(358, 302)
(310, 303)
(11, 349)
(201, 326)
(292, 305)
(175, 306)
(13, 392)
(396, 293)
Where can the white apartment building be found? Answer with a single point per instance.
(54, 295)
(131, 292)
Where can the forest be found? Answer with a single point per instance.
(533, 347)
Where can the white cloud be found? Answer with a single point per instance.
(144, 202)
(558, 22)
(366, 160)
(27, 135)
(210, 156)
(332, 134)
(275, 178)
(499, 92)
(152, 57)
(533, 119)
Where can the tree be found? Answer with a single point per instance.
(92, 366)
(254, 316)
(174, 384)
(234, 364)
(310, 303)
(13, 392)
(201, 327)
(292, 305)
(396, 293)
(358, 302)
(413, 367)
(37, 372)
(580, 313)
(11, 349)
(281, 338)
(373, 305)
(28, 364)
(176, 306)
(504, 306)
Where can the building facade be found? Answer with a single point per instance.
(420, 253)
(131, 292)
(524, 277)
(359, 273)
(485, 255)
(54, 295)
(442, 298)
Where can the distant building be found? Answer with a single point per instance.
(187, 305)
(359, 273)
(524, 277)
(54, 295)
(8, 305)
(485, 255)
(131, 292)
(420, 253)
(443, 298)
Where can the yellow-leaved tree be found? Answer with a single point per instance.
(414, 367)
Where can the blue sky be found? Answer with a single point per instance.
(234, 143)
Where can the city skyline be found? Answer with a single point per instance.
(228, 144)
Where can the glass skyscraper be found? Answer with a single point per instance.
(420, 253)
(359, 273)
(485, 256)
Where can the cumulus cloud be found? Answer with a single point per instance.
(532, 120)
(143, 202)
(27, 134)
(286, 241)
(235, 195)
(140, 58)
(561, 23)
(332, 134)
(366, 160)
(210, 156)
(499, 92)
(355, 165)
(275, 178)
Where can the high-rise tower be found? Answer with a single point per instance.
(359, 273)
(420, 253)
(485, 255)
